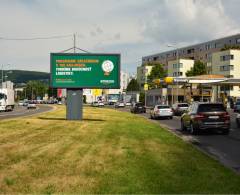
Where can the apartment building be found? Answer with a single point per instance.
(226, 63)
(142, 73)
(180, 67)
(201, 51)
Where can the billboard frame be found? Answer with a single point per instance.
(86, 54)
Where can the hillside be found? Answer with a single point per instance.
(23, 76)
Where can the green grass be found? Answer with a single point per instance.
(107, 152)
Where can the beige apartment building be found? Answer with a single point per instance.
(201, 51)
(180, 67)
(142, 73)
(226, 63)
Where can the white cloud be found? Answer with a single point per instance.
(132, 27)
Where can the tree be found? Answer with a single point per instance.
(157, 71)
(199, 68)
(35, 89)
(133, 85)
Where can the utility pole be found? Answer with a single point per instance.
(74, 43)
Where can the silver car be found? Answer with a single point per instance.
(161, 111)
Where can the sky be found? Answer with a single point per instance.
(133, 28)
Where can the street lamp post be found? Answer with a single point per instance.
(3, 74)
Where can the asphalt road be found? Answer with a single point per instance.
(21, 111)
(225, 148)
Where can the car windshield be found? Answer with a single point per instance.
(211, 108)
(182, 105)
(139, 104)
(162, 107)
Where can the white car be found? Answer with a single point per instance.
(100, 104)
(119, 105)
(128, 104)
(161, 111)
(31, 106)
(20, 103)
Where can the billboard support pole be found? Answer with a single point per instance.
(74, 98)
(74, 104)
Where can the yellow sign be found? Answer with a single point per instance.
(146, 87)
(97, 92)
(168, 80)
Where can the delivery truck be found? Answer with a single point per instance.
(6, 99)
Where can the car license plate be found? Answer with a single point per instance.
(140, 107)
(213, 117)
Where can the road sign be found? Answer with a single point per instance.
(97, 92)
(146, 87)
(72, 70)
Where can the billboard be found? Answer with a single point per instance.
(73, 70)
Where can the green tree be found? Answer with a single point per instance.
(199, 68)
(157, 72)
(35, 89)
(133, 85)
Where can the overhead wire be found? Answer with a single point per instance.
(35, 38)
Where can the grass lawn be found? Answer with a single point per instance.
(108, 152)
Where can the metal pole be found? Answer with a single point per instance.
(2, 75)
(178, 70)
(74, 43)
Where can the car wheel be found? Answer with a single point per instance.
(225, 131)
(193, 130)
(170, 117)
(183, 128)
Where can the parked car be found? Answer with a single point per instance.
(119, 105)
(128, 104)
(159, 111)
(238, 119)
(138, 108)
(180, 108)
(20, 103)
(31, 105)
(205, 116)
(100, 104)
(236, 107)
(97, 104)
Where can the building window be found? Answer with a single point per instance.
(207, 47)
(238, 40)
(177, 74)
(226, 57)
(155, 58)
(226, 88)
(226, 67)
(175, 66)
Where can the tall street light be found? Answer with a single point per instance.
(2, 73)
(178, 65)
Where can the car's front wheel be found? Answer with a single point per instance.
(225, 131)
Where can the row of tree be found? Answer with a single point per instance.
(36, 89)
(158, 71)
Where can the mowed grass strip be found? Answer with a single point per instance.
(107, 152)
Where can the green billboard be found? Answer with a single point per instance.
(72, 70)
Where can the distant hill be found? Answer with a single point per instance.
(23, 76)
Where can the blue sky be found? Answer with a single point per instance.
(131, 27)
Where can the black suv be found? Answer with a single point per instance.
(202, 116)
(138, 108)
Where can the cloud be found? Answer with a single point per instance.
(131, 27)
(189, 21)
